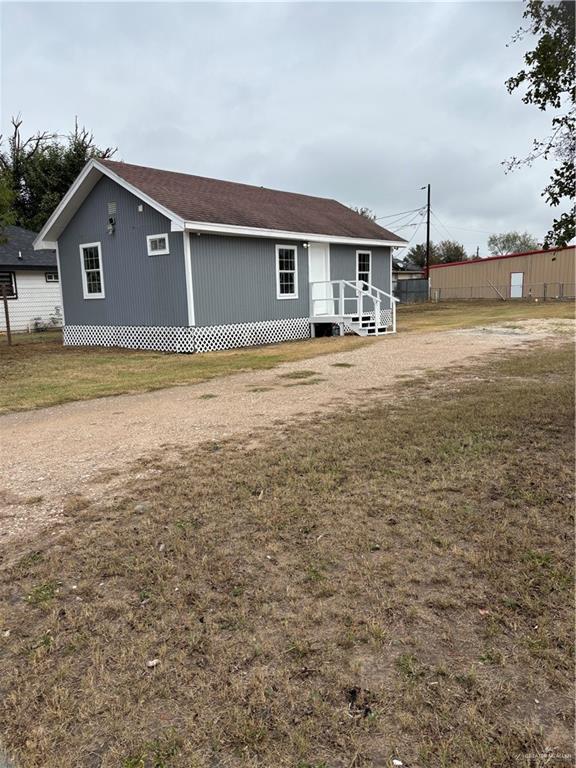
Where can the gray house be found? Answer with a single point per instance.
(153, 259)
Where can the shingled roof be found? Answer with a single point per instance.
(200, 199)
(16, 250)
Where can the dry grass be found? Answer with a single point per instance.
(37, 371)
(391, 582)
(449, 315)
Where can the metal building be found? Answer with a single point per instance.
(531, 275)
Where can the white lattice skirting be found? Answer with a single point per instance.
(182, 339)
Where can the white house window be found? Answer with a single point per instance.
(52, 277)
(364, 268)
(286, 272)
(8, 285)
(157, 245)
(92, 276)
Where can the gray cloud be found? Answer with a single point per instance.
(361, 102)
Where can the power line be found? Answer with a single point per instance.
(465, 229)
(408, 222)
(393, 215)
(444, 227)
(422, 216)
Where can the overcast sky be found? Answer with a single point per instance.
(361, 102)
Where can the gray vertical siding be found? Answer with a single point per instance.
(234, 280)
(343, 264)
(140, 289)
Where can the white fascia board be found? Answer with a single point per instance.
(231, 229)
(82, 186)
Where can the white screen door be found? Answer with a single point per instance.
(516, 285)
(319, 272)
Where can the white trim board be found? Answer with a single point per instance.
(93, 172)
(230, 229)
(79, 191)
(189, 284)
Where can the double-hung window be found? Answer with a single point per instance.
(92, 275)
(157, 245)
(364, 268)
(286, 272)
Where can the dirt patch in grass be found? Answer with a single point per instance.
(391, 582)
(302, 374)
(38, 371)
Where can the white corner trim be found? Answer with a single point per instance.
(229, 229)
(60, 282)
(188, 272)
(284, 296)
(87, 295)
(162, 251)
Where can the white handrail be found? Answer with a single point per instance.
(374, 294)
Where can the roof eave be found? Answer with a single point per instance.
(86, 180)
(214, 228)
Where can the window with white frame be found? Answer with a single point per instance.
(52, 277)
(157, 245)
(92, 276)
(286, 272)
(364, 268)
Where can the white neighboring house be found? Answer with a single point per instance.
(31, 282)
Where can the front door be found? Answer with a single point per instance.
(516, 285)
(319, 275)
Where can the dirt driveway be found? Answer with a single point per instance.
(50, 454)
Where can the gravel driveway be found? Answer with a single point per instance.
(51, 453)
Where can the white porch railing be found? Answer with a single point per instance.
(342, 300)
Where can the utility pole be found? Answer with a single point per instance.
(428, 235)
(427, 187)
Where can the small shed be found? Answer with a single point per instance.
(31, 282)
(531, 275)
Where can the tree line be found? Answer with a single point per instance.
(447, 251)
(36, 171)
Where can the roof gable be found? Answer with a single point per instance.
(196, 202)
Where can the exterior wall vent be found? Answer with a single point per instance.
(111, 217)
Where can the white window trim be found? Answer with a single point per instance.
(52, 277)
(363, 250)
(162, 252)
(294, 295)
(87, 295)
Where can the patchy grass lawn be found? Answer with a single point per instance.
(38, 371)
(390, 583)
(448, 315)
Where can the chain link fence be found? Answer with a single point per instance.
(528, 291)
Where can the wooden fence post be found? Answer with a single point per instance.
(6, 315)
